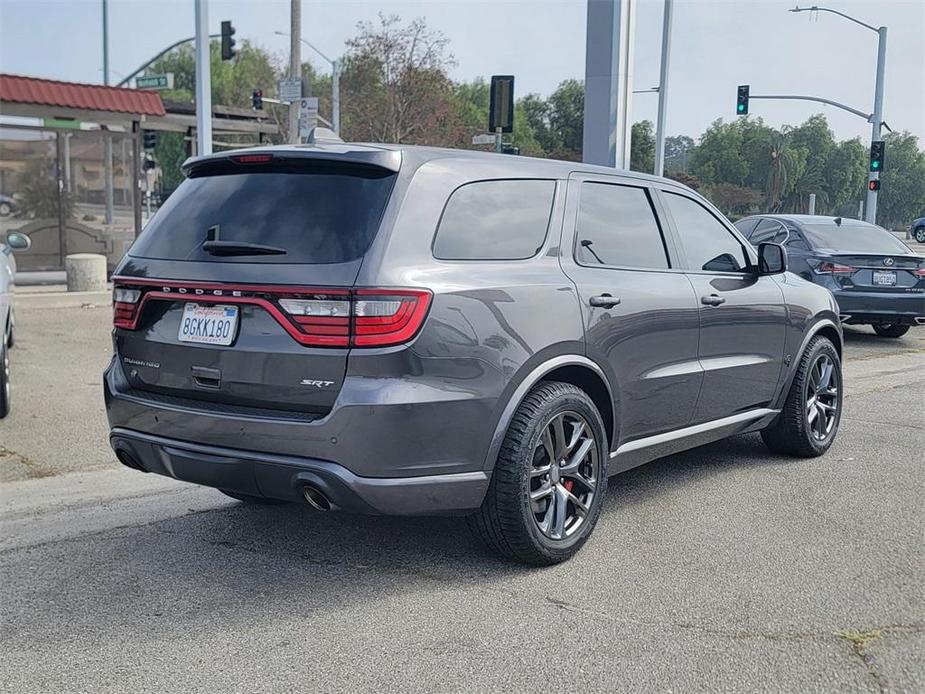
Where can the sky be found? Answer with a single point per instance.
(716, 45)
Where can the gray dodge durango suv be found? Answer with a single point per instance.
(407, 330)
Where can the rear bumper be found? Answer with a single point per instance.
(284, 477)
(875, 307)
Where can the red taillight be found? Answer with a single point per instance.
(383, 317)
(315, 317)
(829, 268)
(125, 306)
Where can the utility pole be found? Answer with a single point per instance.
(876, 118)
(107, 136)
(663, 91)
(203, 81)
(295, 65)
(335, 83)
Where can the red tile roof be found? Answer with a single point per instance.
(91, 97)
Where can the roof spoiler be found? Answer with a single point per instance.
(332, 151)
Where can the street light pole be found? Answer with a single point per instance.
(108, 186)
(663, 91)
(876, 118)
(203, 80)
(295, 65)
(335, 83)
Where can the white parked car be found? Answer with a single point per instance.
(14, 241)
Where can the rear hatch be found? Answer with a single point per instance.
(239, 292)
(865, 258)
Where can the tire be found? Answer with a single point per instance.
(919, 234)
(801, 429)
(11, 333)
(891, 330)
(5, 209)
(5, 391)
(553, 527)
(248, 499)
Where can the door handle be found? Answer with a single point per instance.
(604, 301)
(712, 300)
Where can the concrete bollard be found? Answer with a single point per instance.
(86, 272)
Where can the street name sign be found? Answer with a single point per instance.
(164, 81)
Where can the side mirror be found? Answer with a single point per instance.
(17, 241)
(772, 259)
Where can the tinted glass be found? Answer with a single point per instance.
(708, 244)
(747, 226)
(853, 237)
(617, 226)
(495, 220)
(768, 231)
(320, 217)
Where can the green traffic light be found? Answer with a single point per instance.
(741, 107)
(875, 164)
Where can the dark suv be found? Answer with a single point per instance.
(405, 330)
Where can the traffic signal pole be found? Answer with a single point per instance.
(203, 81)
(876, 118)
(663, 90)
(870, 214)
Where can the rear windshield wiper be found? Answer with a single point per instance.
(240, 248)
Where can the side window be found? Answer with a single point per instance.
(707, 243)
(746, 226)
(617, 226)
(768, 230)
(495, 220)
(797, 242)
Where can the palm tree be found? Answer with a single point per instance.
(783, 159)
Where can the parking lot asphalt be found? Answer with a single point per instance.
(725, 568)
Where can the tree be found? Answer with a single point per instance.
(395, 80)
(642, 147)
(733, 200)
(845, 177)
(566, 117)
(902, 195)
(717, 157)
(677, 152)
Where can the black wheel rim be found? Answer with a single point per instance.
(564, 475)
(822, 397)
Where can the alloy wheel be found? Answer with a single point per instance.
(822, 397)
(564, 475)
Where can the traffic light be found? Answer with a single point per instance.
(228, 51)
(742, 100)
(257, 99)
(873, 185)
(150, 139)
(501, 104)
(876, 155)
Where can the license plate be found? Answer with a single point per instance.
(211, 325)
(885, 278)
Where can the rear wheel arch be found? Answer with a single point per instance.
(574, 369)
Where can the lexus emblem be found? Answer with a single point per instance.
(888, 261)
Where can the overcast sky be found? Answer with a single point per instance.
(716, 46)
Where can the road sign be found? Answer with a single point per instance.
(290, 89)
(501, 108)
(483, 139)
(164, 81)
(308, 116)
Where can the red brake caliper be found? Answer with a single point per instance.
(568, 484)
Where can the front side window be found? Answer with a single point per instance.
(495, 220)
(617, 227)
(708, 245)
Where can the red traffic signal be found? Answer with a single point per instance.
(874, 184)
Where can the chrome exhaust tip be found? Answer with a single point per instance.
(920, 320)
(316, 498)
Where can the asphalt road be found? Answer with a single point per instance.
(720, 569)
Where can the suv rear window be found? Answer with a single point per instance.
(495, 220)
(316, 216)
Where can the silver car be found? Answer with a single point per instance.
(14, 241)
